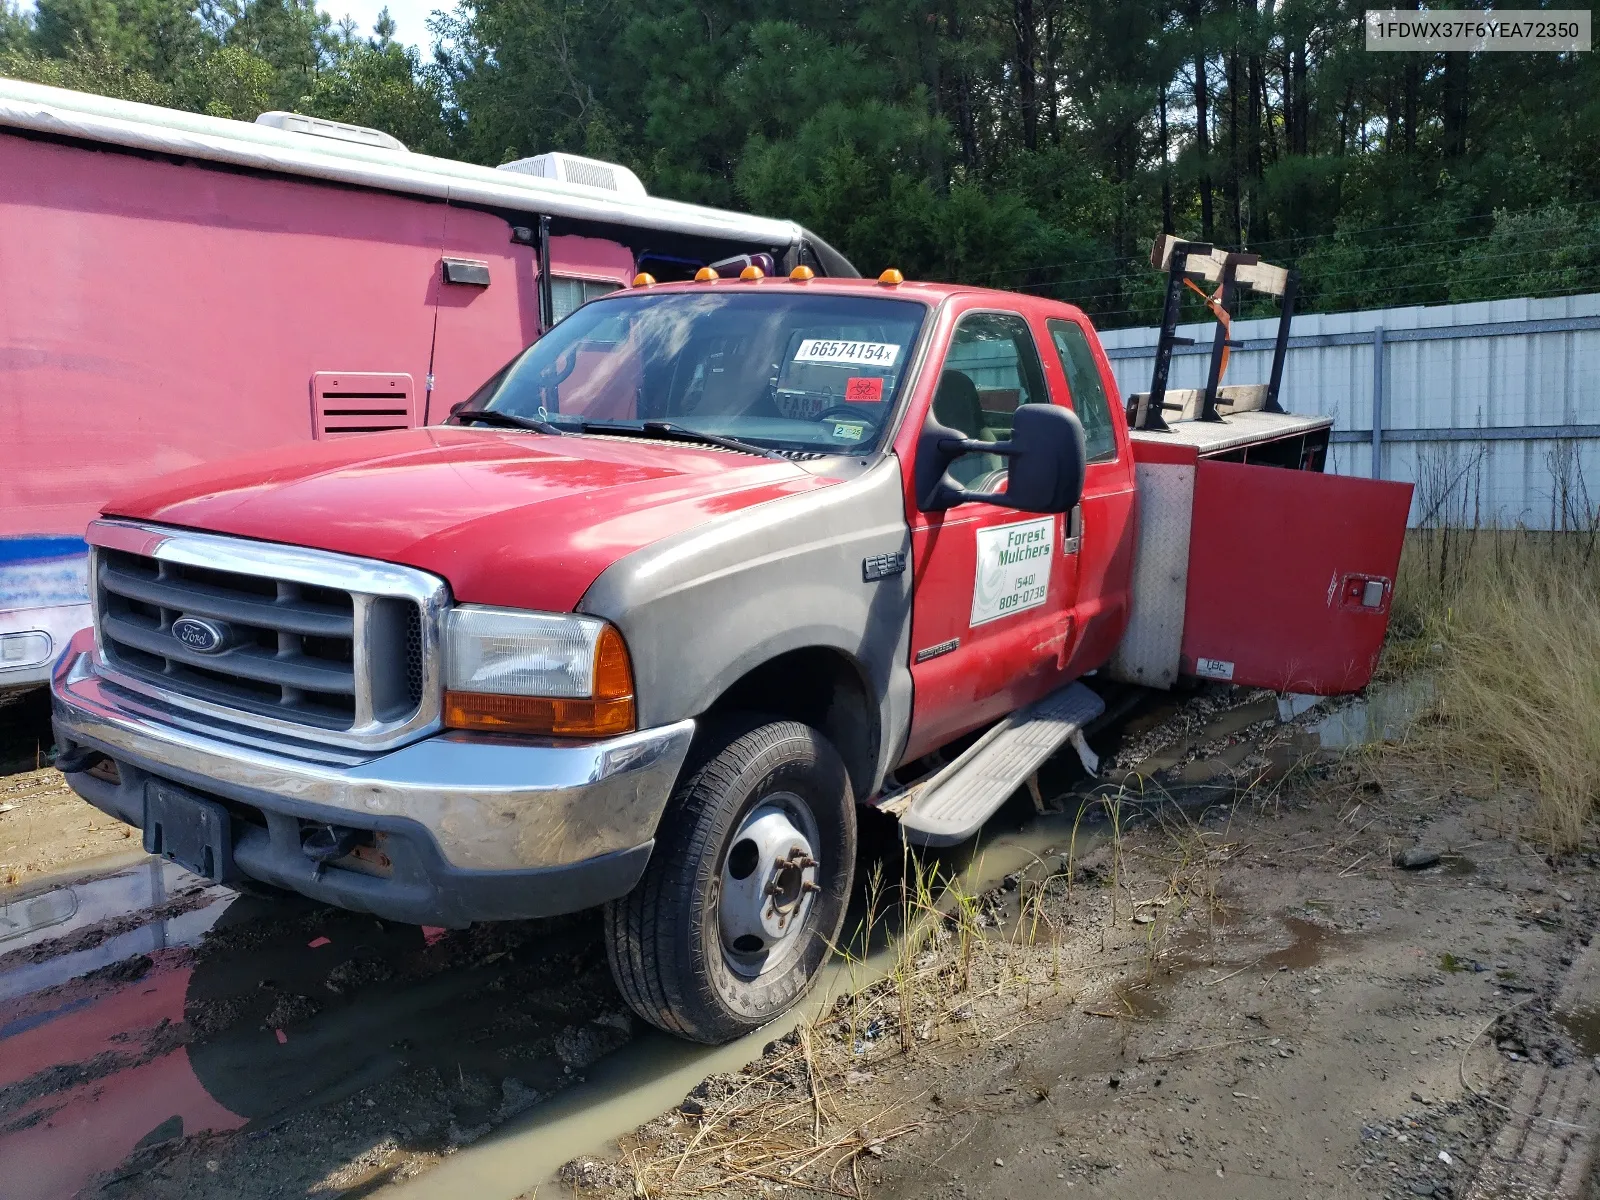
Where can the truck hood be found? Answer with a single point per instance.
(510, 518)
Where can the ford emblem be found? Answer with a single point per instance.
(201, 635)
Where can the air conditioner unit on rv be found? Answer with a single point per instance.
(339, 131)
(572, 168)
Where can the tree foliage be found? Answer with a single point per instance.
(1036, 144)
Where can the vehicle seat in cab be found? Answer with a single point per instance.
(956, 405)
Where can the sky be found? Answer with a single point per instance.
(410, 17)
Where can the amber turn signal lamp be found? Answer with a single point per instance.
(534, 714)
(802, 273)
(706, 275)
(751, 272)
(644, 279)
(608, 712)
(891, 277)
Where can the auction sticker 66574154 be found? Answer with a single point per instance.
(1013, 569)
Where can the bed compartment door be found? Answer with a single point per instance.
(1291, 576)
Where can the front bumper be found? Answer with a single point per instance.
(472, 827)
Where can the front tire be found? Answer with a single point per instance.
(746, 890)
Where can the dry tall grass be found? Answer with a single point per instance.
(1509, 622)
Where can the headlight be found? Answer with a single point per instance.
(509, 671)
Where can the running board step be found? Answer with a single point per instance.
(953, 805)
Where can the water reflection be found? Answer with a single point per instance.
(103, 920)
(89, 1063)
(141, 1028)
(1384, 714)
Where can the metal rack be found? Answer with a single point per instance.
(1232, 270)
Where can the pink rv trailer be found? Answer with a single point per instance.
(176, 288)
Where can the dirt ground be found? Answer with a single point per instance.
(1255, 1002)
(1311, 1043)
(44, 827)
(1213, 982)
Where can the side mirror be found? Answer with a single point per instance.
(1045, 471)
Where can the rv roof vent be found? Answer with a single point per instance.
(570, 168)
(338, 130)
(344, 402)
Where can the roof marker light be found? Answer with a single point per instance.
(802, 273)
(644, 279)
(751, 273)
(706, 275)
(891, 277)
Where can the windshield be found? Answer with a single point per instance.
(783, 371)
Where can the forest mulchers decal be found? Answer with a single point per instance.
(1013, 569)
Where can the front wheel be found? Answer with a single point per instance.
(746, 890)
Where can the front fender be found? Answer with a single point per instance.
(702, 608)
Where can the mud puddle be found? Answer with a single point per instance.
(159, 1034)
(51, 934)
(1312, 943)
(1382, 715)
(1212, 954)
(1583, 1027)
(1179, 744)
(1141, 1002)
(654, 1072)
(159, 1037)
(236, 1036)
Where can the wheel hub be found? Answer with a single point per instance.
(768, 880)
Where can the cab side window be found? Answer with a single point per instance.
(991, 368)
(1087, 391)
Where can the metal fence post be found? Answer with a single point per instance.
(1377, 401)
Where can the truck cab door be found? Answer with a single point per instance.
(1102, 529)
(993, 590)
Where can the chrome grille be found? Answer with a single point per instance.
(299, 640)
(293, 646)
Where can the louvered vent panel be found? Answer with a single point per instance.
(592, 174)
(344, 403)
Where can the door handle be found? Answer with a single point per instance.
(1072, 531)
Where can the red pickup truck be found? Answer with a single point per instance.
(703, 569)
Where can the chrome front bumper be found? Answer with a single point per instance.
(486, 803)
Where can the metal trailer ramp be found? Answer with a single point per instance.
(953, 805)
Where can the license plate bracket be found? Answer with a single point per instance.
(192, 831)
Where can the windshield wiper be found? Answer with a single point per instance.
(683, 434)
(491, 416)
(669, 429)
